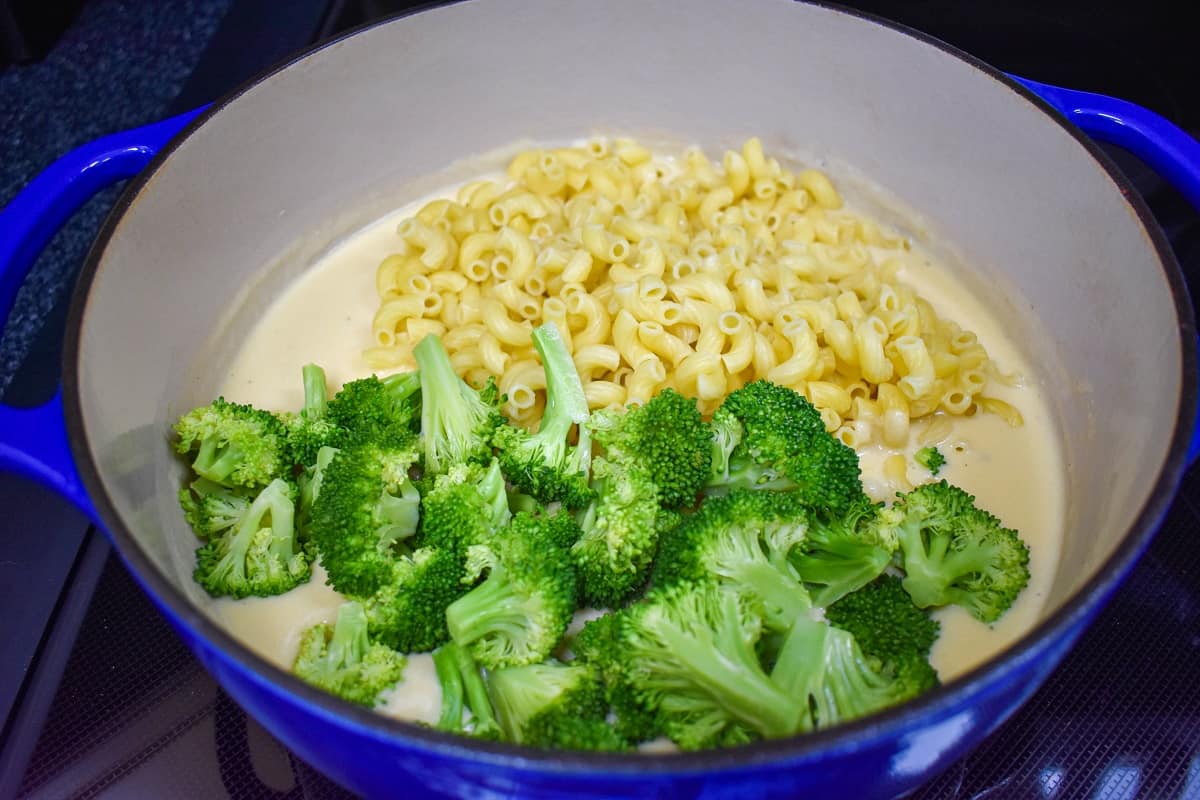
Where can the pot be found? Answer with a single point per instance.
(272, 174)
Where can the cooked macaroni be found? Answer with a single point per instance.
(690, 274)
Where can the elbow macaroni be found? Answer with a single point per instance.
(695, 274)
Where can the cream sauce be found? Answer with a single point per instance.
(1014, 472)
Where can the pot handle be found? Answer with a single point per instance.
(33, 441)
(1165, 147)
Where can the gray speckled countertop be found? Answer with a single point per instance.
(119, 65)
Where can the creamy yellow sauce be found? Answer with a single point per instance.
(1014, 472)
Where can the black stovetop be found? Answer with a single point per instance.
(113, 705)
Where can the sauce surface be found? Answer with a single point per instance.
(1016, 473)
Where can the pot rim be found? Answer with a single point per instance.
(848, 736)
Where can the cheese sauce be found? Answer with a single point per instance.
(1016, 473)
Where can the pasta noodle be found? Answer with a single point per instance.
(698, 274)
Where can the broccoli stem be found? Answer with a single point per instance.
(403, 385)
(315, 392)
(478, 700)
(800, 657)
(397, 516)
(566, 404)
(727, 669)
(825, 667)
(216, 462)
(491, 607)
(349, 642)
(445, 663)
(311, 489)
(928, 579)
(451, 412)
(229, 573)
(783, 598)
(925, 568)
(494, 491)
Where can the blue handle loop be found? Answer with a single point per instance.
(33, 442)
(1166, 148)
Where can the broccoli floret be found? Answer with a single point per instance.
(520, 611)
(465, 506)
(957, 553)
(690, 654)
(741, 540)
(376, 406)
(777, 440)
(343, 661)
(931, 459)
(553, 705)
(666, 438)
(258, 555)
(311, 429)
(825, 668)
(211, 508)
(235, 445)
(461, 681)
(366, 507)
(408, 612)
(545, 464)
(842, 554)
(599, 645)
(457, 422)
(310, 481)
(619, 534)
(888, 626)
(561, 528)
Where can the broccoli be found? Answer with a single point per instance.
(522, 608)
(599, 645)
(561, 528)
(465, 506)
(545, 464)
(553, 705)
(445, 664)
(826, 670)
(887, 626)
(211, 508)
(931, 459)
(519, 501)
(373, 406)
(690, 656)
(954, 552)
(457, 422)
(310, 481)
(766, 436)
(311, 429)
(367, 504)
(408, 611)
(461, 680)
(842, 554)
(666, 438)
(741, 540)
(619, 534)
(344, 662)
(259, 554)
(236, 445)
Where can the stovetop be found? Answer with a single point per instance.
(110, 703)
